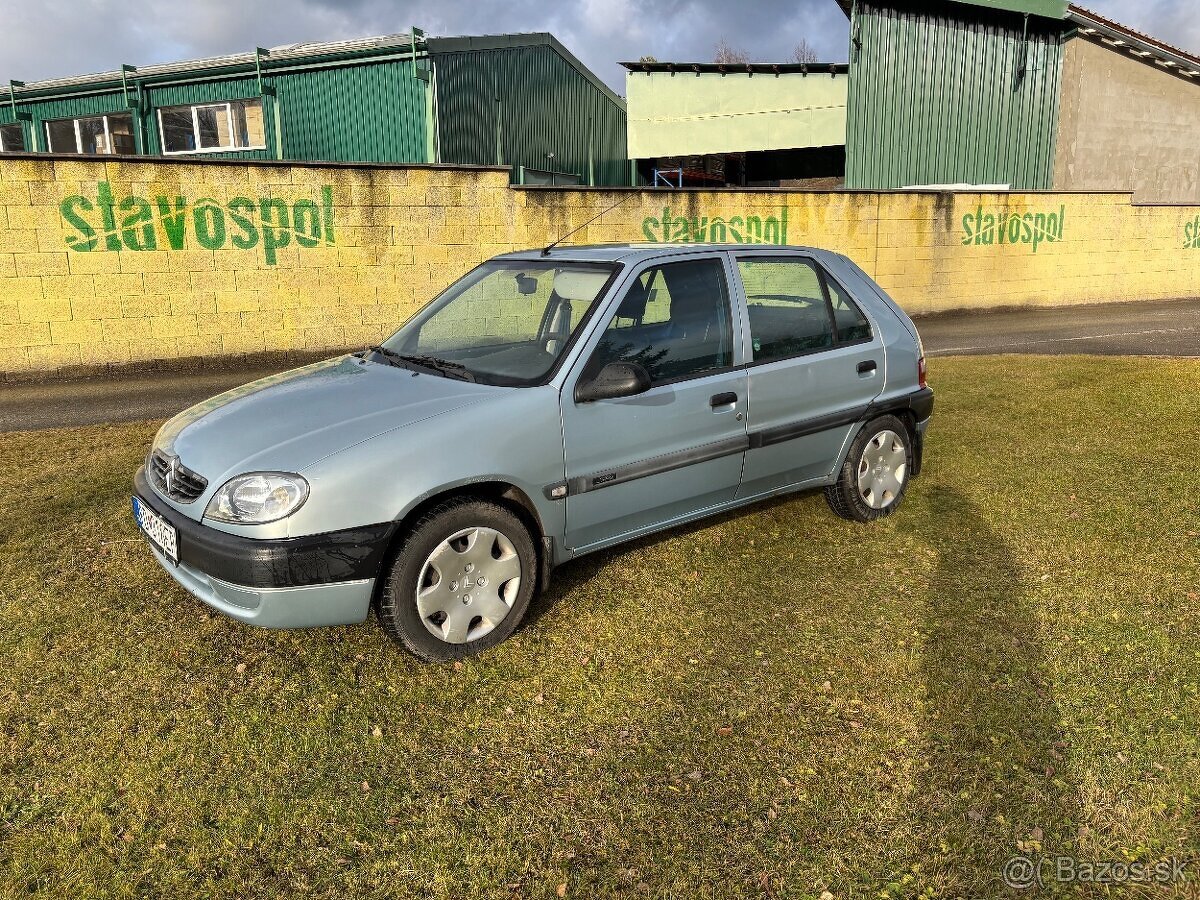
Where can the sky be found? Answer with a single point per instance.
(53, 38)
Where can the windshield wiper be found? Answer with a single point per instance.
(444, 366)
(391, 356)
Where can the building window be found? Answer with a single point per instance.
(93, 134)
(212, 127)
(12, 138)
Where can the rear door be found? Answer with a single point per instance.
(815, 362)
(635, 463)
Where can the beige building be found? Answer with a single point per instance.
(1129, 114)
(756, 124)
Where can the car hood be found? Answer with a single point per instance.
(289, 421)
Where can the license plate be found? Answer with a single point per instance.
(162, 534)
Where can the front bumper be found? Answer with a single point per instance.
(324, 579)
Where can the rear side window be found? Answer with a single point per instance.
(852, 325)
(786, 302)
(794, 308)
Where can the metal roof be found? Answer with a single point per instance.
(311, 51)
(1091, 25)
(1050, 9)
(754, 68)
(1121, 37)
(314, 52)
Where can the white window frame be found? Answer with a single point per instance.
(4, 149)
(108, 141)
(194, 108)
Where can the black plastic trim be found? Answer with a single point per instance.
(350, 555)
(780, 433)
(655, 465)
(919, 401)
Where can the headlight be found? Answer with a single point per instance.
(257, 498)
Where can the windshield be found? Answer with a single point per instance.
(506, 322)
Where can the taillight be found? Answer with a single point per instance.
(921, 372)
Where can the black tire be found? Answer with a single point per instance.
(843, 495)
(396, 606)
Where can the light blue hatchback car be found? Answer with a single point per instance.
(547, 404)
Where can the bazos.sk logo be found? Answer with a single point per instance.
(136, 223)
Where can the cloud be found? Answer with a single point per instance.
(1175, 22)
(55, 38)
(52, 38)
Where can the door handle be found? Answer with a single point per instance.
(726, 399)
(866, 367)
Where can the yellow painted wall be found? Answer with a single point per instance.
(373, 244)
(683, 114)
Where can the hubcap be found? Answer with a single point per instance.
(468, 585)
(882, 470)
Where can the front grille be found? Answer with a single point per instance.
(185, 485)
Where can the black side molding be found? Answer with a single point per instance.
(780, 433)
(920, 402)
(350, 555)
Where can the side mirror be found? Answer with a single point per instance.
(617, 379)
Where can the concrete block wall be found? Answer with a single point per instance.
(108, 263)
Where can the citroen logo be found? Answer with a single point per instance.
(170, 475)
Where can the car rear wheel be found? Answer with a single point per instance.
(875, 475)
(461, 582)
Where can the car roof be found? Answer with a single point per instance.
(633, 253)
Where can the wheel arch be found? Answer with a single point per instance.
(494, 489)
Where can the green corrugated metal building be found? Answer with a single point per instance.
(948, 92)
(1022, 94)
(520, 100)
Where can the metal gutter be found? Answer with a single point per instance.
(1118, 36)
(707, 68)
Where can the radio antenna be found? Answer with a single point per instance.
(546, 250)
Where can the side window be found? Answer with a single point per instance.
(786, 303)
(852, 325)
(674, 321)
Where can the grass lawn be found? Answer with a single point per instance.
(775, 703)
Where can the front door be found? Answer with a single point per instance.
(635, 463)
(816, 365)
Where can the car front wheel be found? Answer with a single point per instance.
(461, 582)
(875, 475)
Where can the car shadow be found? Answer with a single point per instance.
(993, 781)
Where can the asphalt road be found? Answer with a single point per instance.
(1138, 328)
(1149, 328)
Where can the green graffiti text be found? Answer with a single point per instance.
(136, 223)
(671, 228)
(1003, 227)
(1191, 234)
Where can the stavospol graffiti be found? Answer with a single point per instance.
(165, 223)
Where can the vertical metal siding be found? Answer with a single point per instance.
(371, 113)
(544, 107)
(362, 113)
(934, 99)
